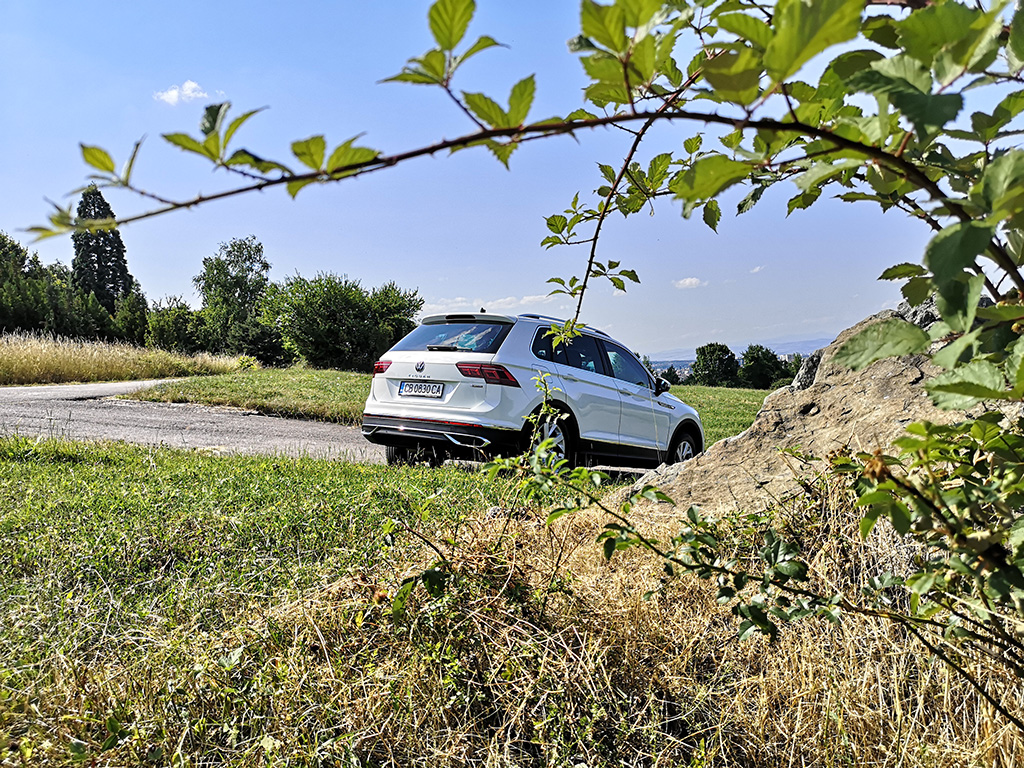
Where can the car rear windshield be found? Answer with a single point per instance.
(457, 337)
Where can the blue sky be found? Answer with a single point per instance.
(461, 229)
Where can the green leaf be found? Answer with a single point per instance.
(604, 24)
(609, 548)
(967, 385)
(237, 123)
(212, 144)
(908, 85)
(348, 155)
(434, 64)
(899, 517)
(213, 116)
(707, 177)
(750, 200)
(954, 249)
(604, 68)
(959, 350)
(98, 158)
(502, 150)
(927, 30)
(1001, 188)
(803, 201)
(888, 338)
(957, 300)
(310, 152)
(1016, 41)
(735, 75)
(1004, 314)
(692, 145)
(823, 171)
(482, 44)
(867, 523)
(486, 110)
(917, 290)
(881, 30)
(186, 142)
(804, 29)
(657, 171)
(928, 112)
(449, 20)
(556, 223)
(747, 27)
(245, 157)
(520, 101)
(901, 271)
(414, 76)
(293, 187)
(712, 214)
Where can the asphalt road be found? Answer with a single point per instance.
(90, 412)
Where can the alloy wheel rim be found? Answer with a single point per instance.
(554, 432)
(684, 451)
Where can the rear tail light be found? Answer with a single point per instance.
(492, 374)
(380, 366)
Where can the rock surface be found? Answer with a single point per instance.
(865, 410)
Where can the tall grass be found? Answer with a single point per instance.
(175, 609)
(40, 359)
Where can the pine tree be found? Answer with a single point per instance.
(99, 266)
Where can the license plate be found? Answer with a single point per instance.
(420, 389)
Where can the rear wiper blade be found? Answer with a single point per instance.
(445, 348)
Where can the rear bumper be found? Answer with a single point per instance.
(453, 437)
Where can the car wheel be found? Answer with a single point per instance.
(683, 449)
(397, 457)
(558, 428)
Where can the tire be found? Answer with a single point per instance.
(397, 457)
(402, 456)
(683, 448)
(558, 427)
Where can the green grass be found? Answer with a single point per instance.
(125, 569)
(339, 396)
(724, 412)
(296, 392)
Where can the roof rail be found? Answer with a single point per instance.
(534, 316)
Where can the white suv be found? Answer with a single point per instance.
(465, 386)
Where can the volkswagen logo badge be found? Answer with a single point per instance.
(420, 366)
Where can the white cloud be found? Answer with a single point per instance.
(757, 269)
(190, 90)
(689, 282)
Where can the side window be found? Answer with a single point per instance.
(583, 353)
(542, 346)
(626, 367)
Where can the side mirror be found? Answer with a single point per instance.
(661, 386)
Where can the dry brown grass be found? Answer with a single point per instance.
(38, 359)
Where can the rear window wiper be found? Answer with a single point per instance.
(446, 348)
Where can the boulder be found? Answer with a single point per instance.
(828, 408)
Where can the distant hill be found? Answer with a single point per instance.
(682, 366)
(677, 356)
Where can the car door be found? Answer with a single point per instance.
(642, 424)
(592, 394)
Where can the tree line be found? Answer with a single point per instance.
(717, 366)
(327, 321)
